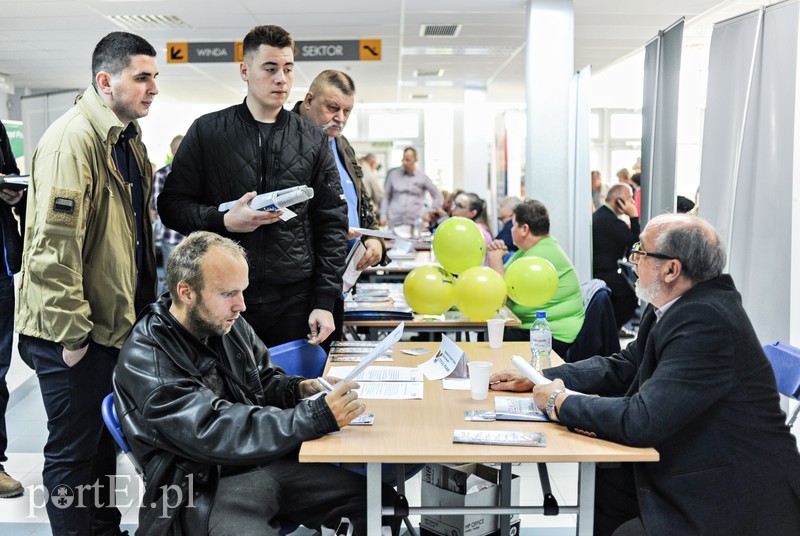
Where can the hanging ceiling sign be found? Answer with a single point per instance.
(353, 50)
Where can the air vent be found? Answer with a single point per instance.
(420, 96)
(439, 30)
(148, 22)
(429, 73)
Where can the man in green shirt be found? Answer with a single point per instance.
(565, 313)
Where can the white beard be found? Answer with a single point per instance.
(649, 293)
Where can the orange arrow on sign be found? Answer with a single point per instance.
(369, 50)
(177, 52)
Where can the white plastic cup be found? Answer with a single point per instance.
(479, 372)
(495, 326)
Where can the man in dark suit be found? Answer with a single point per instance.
(611, 240)
(696, 386)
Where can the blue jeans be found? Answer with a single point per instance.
(79, 450)
(6, 341)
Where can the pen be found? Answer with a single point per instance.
(325, 385)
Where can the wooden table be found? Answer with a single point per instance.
(452, 321)
(421, 431)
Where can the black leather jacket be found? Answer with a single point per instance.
(225, 155)
(176, 426)
(10, 230)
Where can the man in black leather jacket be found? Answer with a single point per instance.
(256, 147)
(204, 411)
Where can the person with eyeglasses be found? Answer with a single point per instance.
(611, 241)
(696, 386)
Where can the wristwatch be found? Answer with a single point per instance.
(550, 409)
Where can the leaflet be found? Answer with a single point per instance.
(391, 391)
(500, 437)
(14, 182)
(380, 374)
(277, 200)
(534, 375)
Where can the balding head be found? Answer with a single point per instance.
(691, 240)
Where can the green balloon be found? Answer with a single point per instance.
(459, 244)
(531, 281)
(429, 290)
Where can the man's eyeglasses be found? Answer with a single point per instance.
(637, 253)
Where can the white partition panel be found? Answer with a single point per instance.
(748, 186)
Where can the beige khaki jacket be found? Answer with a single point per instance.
(78, 277)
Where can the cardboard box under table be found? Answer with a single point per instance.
(454, 486)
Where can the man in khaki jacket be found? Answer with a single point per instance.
(88, 267)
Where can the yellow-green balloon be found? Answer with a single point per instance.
(531, 281)
(459, 244)
(429, 290)
(480, 293)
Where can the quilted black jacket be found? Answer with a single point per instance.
(223, 156)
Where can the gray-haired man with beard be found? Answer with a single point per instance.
(696, 386)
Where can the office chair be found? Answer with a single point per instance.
(785, 361)
(598, 335)
(299, 358)
(111, 420)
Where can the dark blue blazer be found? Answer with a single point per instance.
(697, 387)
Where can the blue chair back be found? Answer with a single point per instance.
(299, 358)
(111, 419)
(785, 361)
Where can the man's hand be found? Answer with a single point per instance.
(497, 245)
(243, 219)
(313, 386)
(509, 380)
(320, 323)
(72, 357)
(12, 197)
(373, 254)
(383, 222)
(541, 393)
(344, 404)
(628, 207)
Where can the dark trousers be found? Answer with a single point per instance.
(79, 456)
(281, 321)
(615, 501)
(6, 341)
(306, 494)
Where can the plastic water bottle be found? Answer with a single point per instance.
(541, 341)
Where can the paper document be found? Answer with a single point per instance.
(380, 374)
(351, 271)
(277, 200)
(455, 384)
(390, 391)
(450, 361)
(381, 347)
(14, 182)
(534, 375)
(382, 234)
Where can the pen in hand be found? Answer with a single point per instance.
(325, 385)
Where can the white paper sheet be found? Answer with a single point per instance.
(390, 391)
(380, 374)
(450, 361)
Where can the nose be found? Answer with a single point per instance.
(238, 304)
(153, 88)
(280, 77)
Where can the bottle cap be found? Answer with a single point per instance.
(541, 314)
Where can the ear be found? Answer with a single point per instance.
(243, 71)
(185, 293)
(103, 81)
(672, 271)
(307, 100)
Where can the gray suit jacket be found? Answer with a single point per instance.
(696, 386)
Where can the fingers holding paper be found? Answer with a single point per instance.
(373, 255)
(343, 402)
(244, 219)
